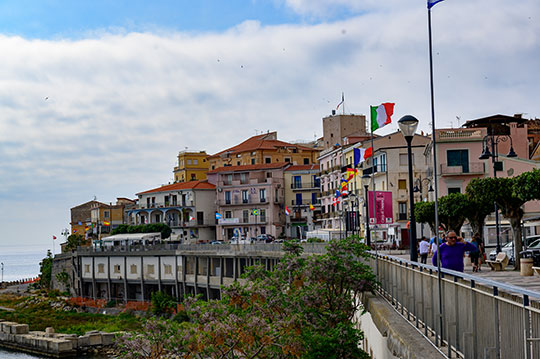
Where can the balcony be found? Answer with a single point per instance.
(242, 201)
(460, 135)
(165, 205)
(472, 168)
(306, 185)
(251, 220)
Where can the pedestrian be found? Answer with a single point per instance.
(424, 249)
(452, 252)
(477, 257)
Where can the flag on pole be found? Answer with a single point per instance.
(351, 172)
(335, 201)
(86, 228)
(218, 216)
(431, 3)
(287, 211)
(53, 237)
(105, 223)
(80, 223)
(74, 231)
(191, 218)
(381, 115)
(311, 207)
(358, 156)
(368, 153)
(342, 100)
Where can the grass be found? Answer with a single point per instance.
(41, 315)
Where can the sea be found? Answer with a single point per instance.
(21, 263)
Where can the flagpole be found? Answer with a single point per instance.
(439, 275)
(374, 237)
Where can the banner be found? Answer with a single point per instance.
(383, 213)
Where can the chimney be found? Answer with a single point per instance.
(518, 115)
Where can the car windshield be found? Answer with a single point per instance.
(534, 244)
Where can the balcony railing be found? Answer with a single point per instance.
(472, 168)
(165, 205)
(306, 185)
(242, 201)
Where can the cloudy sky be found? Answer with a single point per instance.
(97, 97)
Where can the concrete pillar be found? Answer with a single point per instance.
(159, 272)
(125, 281)
(109, 278)
(94, 278)
(208, 278)
(142, 278)
(176, 286)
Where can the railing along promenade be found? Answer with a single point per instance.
(479, 318)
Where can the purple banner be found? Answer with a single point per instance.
(383, 213)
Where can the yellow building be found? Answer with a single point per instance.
(264, 149)
(192, 166)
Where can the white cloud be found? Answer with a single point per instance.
(108, 114)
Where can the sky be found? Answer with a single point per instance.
(98, 97)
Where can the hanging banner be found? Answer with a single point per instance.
(383, 213)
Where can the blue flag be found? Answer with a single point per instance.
(218, 216)
(431, 3)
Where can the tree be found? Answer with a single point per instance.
(425, 213)
(481, 196)
(45, 268)
(452, 210)
(74, 241)
(302, 309)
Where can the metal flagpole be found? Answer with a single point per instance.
(374, 237)
(434, 149)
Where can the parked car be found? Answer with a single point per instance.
(267, 238)
(508, 248)
(533, 251)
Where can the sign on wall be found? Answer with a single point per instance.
(383, 213)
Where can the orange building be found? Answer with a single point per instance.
(264, 149)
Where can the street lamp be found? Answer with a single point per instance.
(2, 264)
(407, 126)
(418, 185)
(366, 180)
(493, 142)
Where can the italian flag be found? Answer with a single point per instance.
(381, 115)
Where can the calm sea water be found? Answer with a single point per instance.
(5, 354)
(20, 262)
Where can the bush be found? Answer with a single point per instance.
(162, 304)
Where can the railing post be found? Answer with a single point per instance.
(526, 327)
(497, 323)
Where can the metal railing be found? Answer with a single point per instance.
(479, 318)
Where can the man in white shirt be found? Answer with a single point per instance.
(424, 250)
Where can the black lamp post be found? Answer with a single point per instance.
(407, 126)
(366, 179)
(493, 142)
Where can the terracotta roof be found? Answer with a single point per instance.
(303, 167)
(263, 166)
(258, 143)
(180, 186)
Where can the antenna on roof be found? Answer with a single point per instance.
(458, 120)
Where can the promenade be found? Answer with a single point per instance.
(508, 276)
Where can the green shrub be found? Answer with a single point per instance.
(162, 303)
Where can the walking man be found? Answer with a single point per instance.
(424, 250)
(452, 252)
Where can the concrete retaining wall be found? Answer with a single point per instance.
(18, 337)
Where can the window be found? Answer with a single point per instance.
(458, 158)
(382, 163)
(228, 214)
(101, 268)
(263, 230)
(299, 198)
(268, 160)
(193, 177)
(306, 161)
(253, 153)
(195, 162)
(253, 161)
(87, 268)
(227, 197)
(133, 269)
(106, 214)
(262, 195)
(243, 178)
(287, 159)
(174, 199)
(245, 198)
(245, 216)
(402, 207)
(168, 269)
(313, 197)
(454, 190)
(182, 163)
(238, 156)
(402, 184)
(188, 162)
(116, 268)
(262, 215)
(150, 269)
(228, 180)
(200, 218)
(238, 163)
(403, 159)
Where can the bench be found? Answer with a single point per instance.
(500, 262)
(536, 270)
